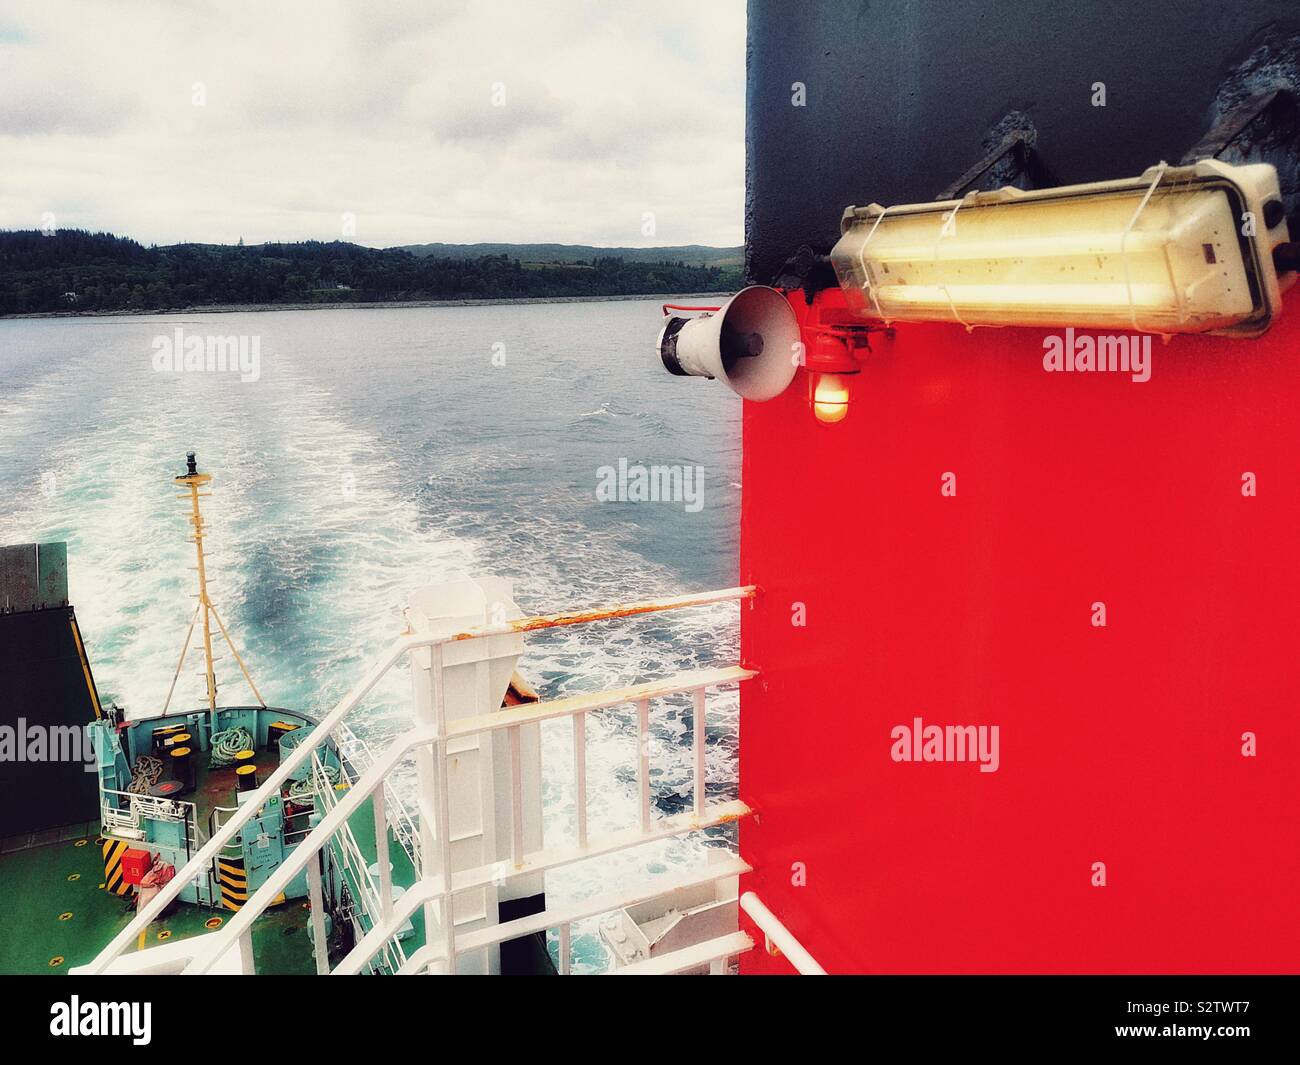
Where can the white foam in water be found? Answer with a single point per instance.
(328, 507)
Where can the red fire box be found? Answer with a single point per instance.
(135, 863)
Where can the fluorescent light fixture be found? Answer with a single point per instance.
(1177, 250)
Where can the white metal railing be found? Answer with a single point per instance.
(560, 918)
(429, 739)
(780, 937)
(127, 821)
(306, 806)
(361, 883)
(648, 828)
(357, 757)
(216, 822)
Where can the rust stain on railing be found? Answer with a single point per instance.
(626, 610)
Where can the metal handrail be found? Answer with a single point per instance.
(152, 806)
(576, 708)
(353, 749)
(354, 862)
(779, 936)
(370, 780)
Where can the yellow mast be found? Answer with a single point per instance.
(194, 480)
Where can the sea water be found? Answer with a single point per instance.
(370, 452)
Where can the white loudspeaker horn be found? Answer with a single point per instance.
(749, 343)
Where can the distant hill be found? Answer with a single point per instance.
(73, 270)
(688, 254)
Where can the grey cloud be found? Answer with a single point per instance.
(315, 109)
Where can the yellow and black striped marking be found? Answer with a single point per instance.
(234, 882)
(113, 851)
(85, 669)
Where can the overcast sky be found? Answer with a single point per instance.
(386, 110)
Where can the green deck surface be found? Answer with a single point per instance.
(362, 823)
(40, 883)
(39, 887)
(44, 877)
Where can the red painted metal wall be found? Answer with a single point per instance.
(1119, 744)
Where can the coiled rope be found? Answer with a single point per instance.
(299, 789)
(228, 743)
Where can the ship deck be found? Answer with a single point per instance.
(57, 915)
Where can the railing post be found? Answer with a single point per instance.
(320, 947)
(379, 802)
(701, 734)
(247, 965)
(425, 674)
(442, 808)
(643, 760)
(516, 798)
(580, 774)
(565, 949)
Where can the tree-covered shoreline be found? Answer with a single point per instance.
(78, 271)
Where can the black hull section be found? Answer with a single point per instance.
(903, 97)
(48, 776)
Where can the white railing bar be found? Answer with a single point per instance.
(580, 774)
(542, 861)
(530, 713)
(677, 961)
(566, 950)
(417, 962)
(643, 760)
(700, 726)
(196, 866)
(563, 916)
(516, 798)
(779, 936)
